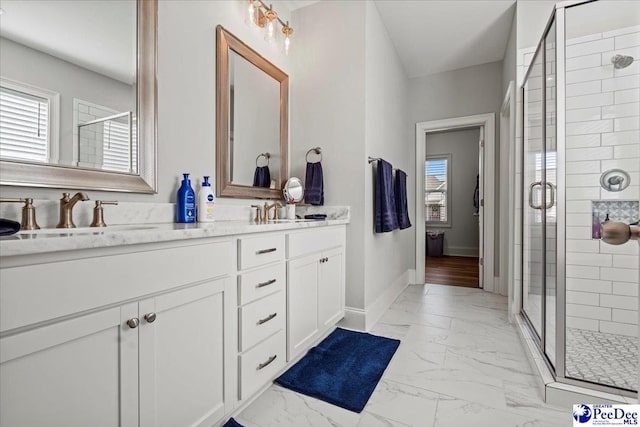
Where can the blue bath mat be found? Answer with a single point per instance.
(232, 423)
(343, 369)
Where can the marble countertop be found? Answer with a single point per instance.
(56, 240)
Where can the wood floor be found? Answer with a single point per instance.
(452, 270)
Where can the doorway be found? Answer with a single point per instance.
(452, 211)
(486, 122)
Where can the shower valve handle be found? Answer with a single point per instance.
(618, 233)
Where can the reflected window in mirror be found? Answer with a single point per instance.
(28, 122)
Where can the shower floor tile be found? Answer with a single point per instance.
(602, 358)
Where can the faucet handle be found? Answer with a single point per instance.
(98, 212)
(28, 213)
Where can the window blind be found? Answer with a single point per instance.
(435, 193)
(116, 147)
(24, 120)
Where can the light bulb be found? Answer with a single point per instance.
(287, 42)
(251, 14)
(271, 17)
(287, 31)
(271, 30)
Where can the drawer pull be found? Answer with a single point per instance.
(266, 319)
(267, 363)
(267, 283)
(150, 317)
(266, 251)
(133, 322)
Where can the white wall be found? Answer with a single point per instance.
(328, 110)
(27, 65)
(388, 134)
(463, 237)
(509, 61)
(350, 98)
(457, 93)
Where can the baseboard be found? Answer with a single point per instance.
(354, 318)
(363, 320)
(374, 311)
(462, 251)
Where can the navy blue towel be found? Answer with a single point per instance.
(386, 218)
(314, 191)
(262, 177)
(401, 200)
(8, 227)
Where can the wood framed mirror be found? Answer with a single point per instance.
(96, 100)
(252, 122)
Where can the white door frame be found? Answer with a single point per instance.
(488, 122)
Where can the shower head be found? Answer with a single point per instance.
(621, 61)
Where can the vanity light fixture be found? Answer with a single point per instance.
(262, 16)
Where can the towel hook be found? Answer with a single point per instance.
(316, 150)
(267, 156)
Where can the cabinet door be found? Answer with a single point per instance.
(302, 303)
(331, 288)
(182, 356)
(79, 372)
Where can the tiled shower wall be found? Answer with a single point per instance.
(602, 132)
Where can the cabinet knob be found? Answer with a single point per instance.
(150, 317)
(133, 323)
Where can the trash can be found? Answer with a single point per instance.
(435, 243)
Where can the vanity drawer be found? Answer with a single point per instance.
(256, 251)
(259, 365)
(260, 283)
(261, 318)
(42, 292)
(309, 241)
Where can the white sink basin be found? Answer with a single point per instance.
(89, 230)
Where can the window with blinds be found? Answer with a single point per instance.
(119, 153)
(24, 126)
(436, 194)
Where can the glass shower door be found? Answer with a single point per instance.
(550, 175)
(532, 233)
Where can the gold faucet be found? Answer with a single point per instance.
(66, 209)
(28, 213)
(273, 206)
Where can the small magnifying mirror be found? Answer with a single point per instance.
(293, 190)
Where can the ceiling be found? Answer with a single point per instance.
(435, 36)
(98, 35)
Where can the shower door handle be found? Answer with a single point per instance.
(618, 233)
(552, 195)
(531, 187)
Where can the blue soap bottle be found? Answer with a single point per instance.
(186, 202)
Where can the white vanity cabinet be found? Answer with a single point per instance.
(315, 285)
(79, 372)
(154, 355)
(261, 311)
(181, 356)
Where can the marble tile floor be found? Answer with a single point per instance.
(460, 363)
